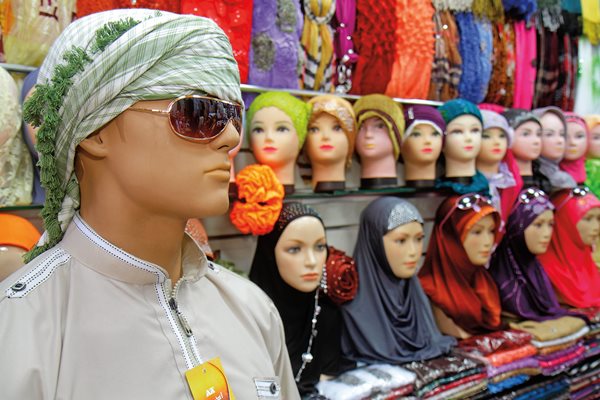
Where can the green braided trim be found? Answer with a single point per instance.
(42, 110)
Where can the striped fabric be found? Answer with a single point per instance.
(163, 56)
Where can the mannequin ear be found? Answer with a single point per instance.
(94, 146)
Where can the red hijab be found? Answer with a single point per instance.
(465, 292)
(568, 261)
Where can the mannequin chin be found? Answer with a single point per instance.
(539, 233)
(589, 227)
(553, 137)
(420, 151)
(375, 150)
(479, 241)
(463, 142)
(403, 248)
(274, 142)
(527, 146)
(494, 144)
(11, 259)
(594, 145)
(327, 149)
(301, 253)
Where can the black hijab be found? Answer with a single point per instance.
(390, 319)
(297, 308)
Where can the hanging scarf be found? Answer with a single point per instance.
(475, 51)
(276, 29)
(521, 10)
(490, 9)
(446, 70)
(525, 289)
(549, 14)
(346, 57)
(296, 308)
(547, 68)
(390, 319)
(568, 261)
(575, 168)
(590, 10)
(317, 43)
(500, 89)
(525, 69)
(466, 293)
(168, 55)
(16, 169)
(414, 49)
(587, 95)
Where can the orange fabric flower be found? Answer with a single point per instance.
(260, 199)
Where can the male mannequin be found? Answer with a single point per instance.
(105, 291)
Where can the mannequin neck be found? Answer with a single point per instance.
(285, 173)
(525, 167)
(459, 168)
(488, 168)
(142, 232)
(378, 168)
(329, 172)
(419, 171)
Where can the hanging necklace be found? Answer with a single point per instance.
(307, 356)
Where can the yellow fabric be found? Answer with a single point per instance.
(310, 37)
(591, 20)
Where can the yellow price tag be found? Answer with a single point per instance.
(208, 381)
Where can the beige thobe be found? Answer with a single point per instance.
(86, 320)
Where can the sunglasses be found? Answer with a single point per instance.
(200, 118)
(467, 202)
(530, 194)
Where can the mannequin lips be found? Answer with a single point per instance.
(496, 151)
(469, 148)
(369, 145)
(326, 147)
(270, 149)
(410, 264)
(427, 150)
(221, 172)
(313, 276)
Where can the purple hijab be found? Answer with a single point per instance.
(525, 289)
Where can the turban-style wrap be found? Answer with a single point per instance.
(113, 60)
(16, 169)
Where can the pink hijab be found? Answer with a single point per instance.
(576, 168)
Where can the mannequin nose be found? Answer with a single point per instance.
(311, 260)
(229, 138)
(325, 134)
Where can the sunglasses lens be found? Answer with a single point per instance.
(203, 118)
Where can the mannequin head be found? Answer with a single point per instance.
(380, 130)
(276, 124)
(17, 236)
(593, 124)
(496, 139)
(331, 134)
(422, 143)
(527, 144)
(554, 132)
(403, 247)
(577, 137)
(479, 240)
(539, 233)
(589, 227)
(464, 125)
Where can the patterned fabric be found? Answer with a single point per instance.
(501, 86)
(16, 169)
(547, 68)
(317, 43)
(591, 20)
(125, 56)
(447, 63)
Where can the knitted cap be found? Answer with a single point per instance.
(540, 112)
(384, 107)
(296, 109)
(17, 231)
(518, 116)
(494, 120)
(455, 108)
(418, 114)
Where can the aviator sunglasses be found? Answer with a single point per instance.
(200, 118)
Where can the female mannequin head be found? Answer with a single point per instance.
(527, 144)
(453, 273)
(390, 318)
(380, 129)
(330, 141)
(497, 138)
(276, 126)
(464, 124)
(593, 124)
(576, 147)
(422, 142)
(539, 232)
(554, 132)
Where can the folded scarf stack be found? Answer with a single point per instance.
(584, 379)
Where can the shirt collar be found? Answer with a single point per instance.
(98, 254)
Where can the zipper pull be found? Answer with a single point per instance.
(184, 324)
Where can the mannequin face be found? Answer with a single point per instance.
(539, 233)
(138, 159)
(480, 239)
(493, 145)
(273, 138)
(11, 259)
(528, 141)
(326, 140)
(301, 253)
(373, 140)
(553, 137)
(424, 144)
(589, 227)
(576, 141)
(463, 138)
(403, 247)
(594, 147)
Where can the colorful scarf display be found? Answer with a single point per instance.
(568, 261)
(447, 63)
(465, 292)
(524, 287)
(346, 57)
(390, 319)
(501, 86)
(317, 43)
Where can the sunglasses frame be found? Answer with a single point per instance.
(472, 202)
(530, 194)
(167, 113)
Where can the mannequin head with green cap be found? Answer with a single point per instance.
(276, 130)
(150, 142)
(380, 130)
